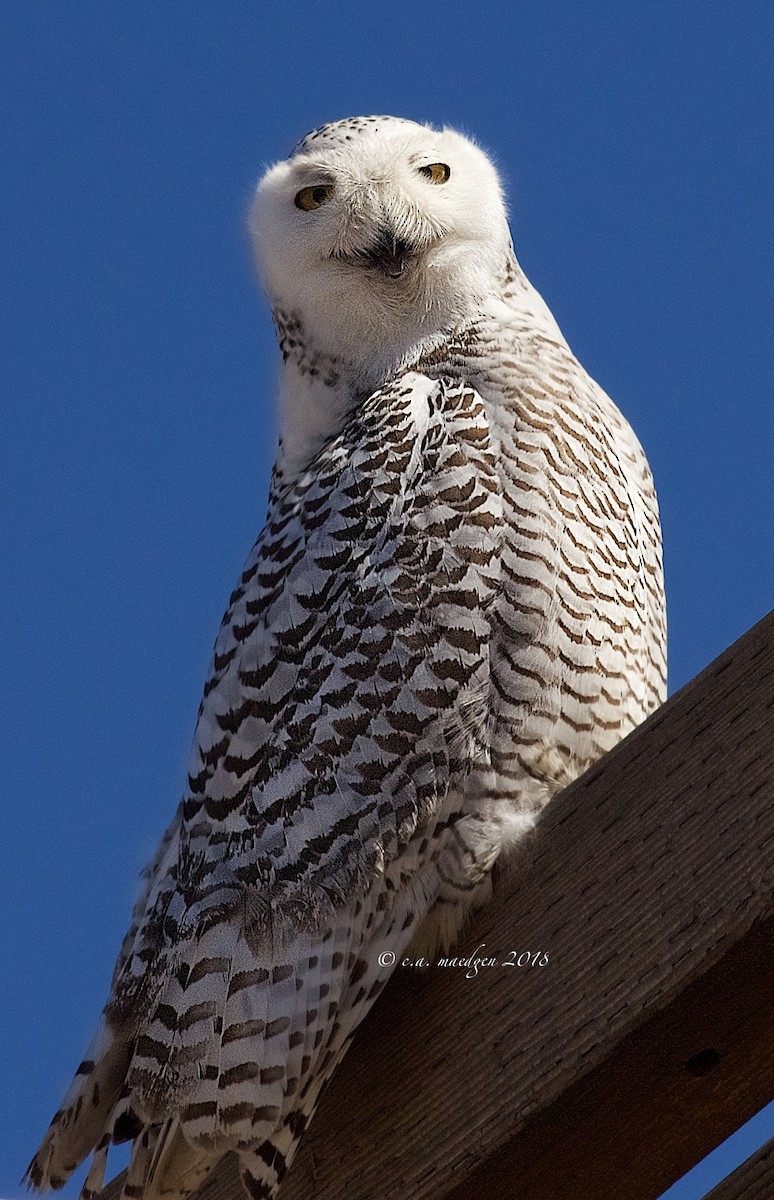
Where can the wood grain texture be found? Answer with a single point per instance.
(754, 1180)
(647, 1037)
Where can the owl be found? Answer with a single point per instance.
(455, 606)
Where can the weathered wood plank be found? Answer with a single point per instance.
(754, 1180)
(648, 1036)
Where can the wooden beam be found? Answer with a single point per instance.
(647, 1037)
(754, 1180)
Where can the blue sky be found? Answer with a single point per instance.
(138, 371)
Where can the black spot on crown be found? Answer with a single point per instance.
(337, 132)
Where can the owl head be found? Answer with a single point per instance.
(378, 233)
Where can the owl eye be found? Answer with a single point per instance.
(310, 198)
(436, 172)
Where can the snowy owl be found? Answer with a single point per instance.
(455, 606)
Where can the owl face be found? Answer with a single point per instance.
(391, 226)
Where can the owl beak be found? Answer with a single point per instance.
(390, 255)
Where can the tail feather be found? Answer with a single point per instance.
(263, 1168)
(176, 1167)
(95, 1180)
(232, 1054)
(80, 1123)
(332, 973)
(142, 1153)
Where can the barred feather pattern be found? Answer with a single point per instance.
(347, 701)
(450, 613)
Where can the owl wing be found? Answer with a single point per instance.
(349, 690)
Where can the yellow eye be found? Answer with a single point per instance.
(310, 198)
(436, 172)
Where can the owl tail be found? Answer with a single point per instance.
(81, 1122)
(164, 1165)
(262, 1169)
